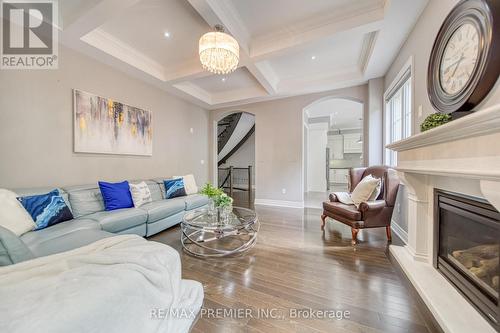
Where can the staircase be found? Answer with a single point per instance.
(232, 132)
(225, 129)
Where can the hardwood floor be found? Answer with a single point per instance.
(296, 266)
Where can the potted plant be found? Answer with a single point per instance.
(224, 204)
(434, 120)
(212, 193)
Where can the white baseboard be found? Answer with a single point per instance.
(399, 231)
(279, 203)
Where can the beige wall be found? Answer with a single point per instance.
(419, 45)
(279, 142)
(36, 133)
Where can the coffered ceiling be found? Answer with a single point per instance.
(287, 47)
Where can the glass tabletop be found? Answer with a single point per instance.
(238, 218)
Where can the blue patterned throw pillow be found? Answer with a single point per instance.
(46, 209)
(174, 188)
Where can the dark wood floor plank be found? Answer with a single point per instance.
(297, 266)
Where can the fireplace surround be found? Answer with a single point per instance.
(461, 156)
(467, 239)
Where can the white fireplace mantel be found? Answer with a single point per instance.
(461, 156)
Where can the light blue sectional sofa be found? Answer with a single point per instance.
(91, 222)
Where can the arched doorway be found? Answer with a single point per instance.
(332, 144)
(235, 156)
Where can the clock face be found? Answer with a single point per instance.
(459, 59)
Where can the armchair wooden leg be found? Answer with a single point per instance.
(323, 221)
(354, 233)
(388, 232)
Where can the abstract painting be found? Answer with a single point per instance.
(105, 126)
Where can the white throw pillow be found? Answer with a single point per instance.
(189, 184)
(377, 190)
(140, 194)
(13, 216)
(363, 191)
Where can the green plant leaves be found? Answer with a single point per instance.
(434, 120)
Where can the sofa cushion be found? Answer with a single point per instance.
(69, 242)
(161, 184)
(347, 211)
(32, 238)
(84, 200)
(195, 201)
(158, 210)
(119, 219)
(155, 189)
(12, 249)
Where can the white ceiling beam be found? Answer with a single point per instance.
(189, 70)
(367, 50)
(301, 35)
(105, 42)
(195, 91)
(92, 18)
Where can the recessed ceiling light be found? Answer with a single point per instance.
(223, 79)
(167, 34)
(313, 58)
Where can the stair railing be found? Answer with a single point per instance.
(228, 182)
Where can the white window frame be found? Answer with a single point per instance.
(406, 73)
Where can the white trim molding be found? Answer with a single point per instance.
(482, 122)
(279, 203)
(400, 232)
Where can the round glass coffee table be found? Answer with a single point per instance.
(207, 235)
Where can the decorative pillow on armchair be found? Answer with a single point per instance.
(174, 188)
(376, 191)
(364, 190)
(46, 209)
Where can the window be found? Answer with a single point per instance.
(398, 113)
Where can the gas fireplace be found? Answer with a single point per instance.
(468, 244)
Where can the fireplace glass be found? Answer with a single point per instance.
(468, 249)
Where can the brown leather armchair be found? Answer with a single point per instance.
(372, 214)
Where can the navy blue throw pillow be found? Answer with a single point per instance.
(174, 188)
(116, 195)
(46, 209)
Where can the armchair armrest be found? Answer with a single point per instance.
(372, 206)
(375, 213)
(333, 197)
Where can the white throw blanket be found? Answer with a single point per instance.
(113, 285)
(344, 198)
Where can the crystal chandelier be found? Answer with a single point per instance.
(219, 52)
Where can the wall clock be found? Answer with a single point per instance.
(465, 59)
